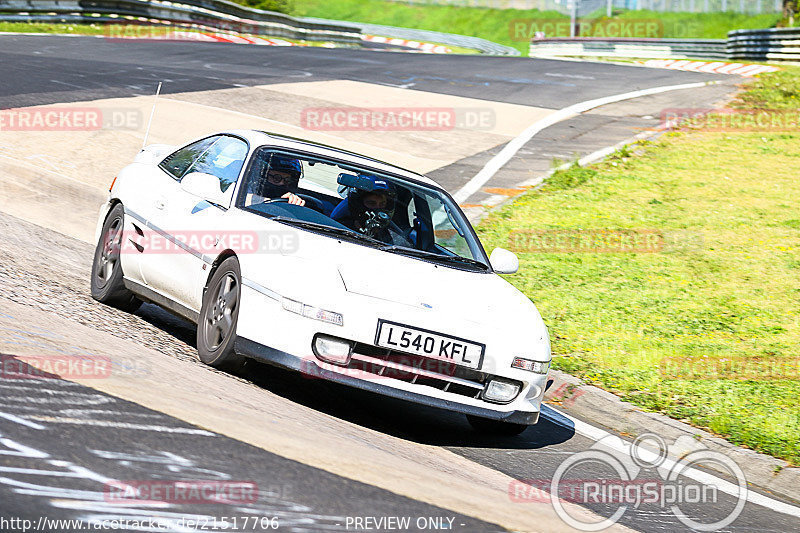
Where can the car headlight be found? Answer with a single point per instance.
(331, 349)
(501, 391)
(537, 367)
(309, 311)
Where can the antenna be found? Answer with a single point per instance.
(152, 112)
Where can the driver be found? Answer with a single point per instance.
(281, 179)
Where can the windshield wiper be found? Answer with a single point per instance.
(424, 254)
(324, 228)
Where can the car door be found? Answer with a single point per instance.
(191, 224)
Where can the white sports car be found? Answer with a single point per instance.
(327, 262)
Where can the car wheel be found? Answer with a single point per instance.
(495, 427)
(107, 285)
(216, 329)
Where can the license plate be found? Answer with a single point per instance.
(429, 344)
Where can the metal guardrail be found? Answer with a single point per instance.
(585, 7)
(215, 14)
(639, 48)
(774, 44)
(226, 16)
(451, 39)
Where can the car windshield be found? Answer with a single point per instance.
(361, 204)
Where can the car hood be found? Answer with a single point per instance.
(478, 298)
(328, 265)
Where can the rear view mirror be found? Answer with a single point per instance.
(358, 182)
(206, 187)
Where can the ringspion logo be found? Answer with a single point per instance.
(618, 476)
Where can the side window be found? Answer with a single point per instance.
(178, 163)
(224, 159)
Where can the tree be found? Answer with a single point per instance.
(790, 7)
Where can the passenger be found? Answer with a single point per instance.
(370, 212)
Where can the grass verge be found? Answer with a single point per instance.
(117, 31)
(495, 24)
(706, 329)
(36, 27)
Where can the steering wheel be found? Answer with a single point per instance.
(311, 202)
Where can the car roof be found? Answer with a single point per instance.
(257, 137)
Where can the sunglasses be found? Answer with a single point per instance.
(277, 177)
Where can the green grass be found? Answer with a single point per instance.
(112, 31)
(779, 90)
(495, 24)
(77, 29)
(492, 24)
(703, 25)
(724, 288)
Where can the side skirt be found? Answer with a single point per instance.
(149, 295)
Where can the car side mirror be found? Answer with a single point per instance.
(205, 186)
(503, 261)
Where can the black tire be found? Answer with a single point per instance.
(495, 427)
(107, 285)
(216, 328)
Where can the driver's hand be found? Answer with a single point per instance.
(294, 199)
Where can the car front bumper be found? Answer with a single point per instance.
(288, 361)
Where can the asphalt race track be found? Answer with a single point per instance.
(321, 457)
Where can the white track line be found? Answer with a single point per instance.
(510, 149)
(20, 420)
(596, 434)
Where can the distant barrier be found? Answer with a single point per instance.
(774, 44)
(640, 48)
(213, 14)
(449, 39)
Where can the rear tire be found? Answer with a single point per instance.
(107, 285)
(495, 427)
(216, 328)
